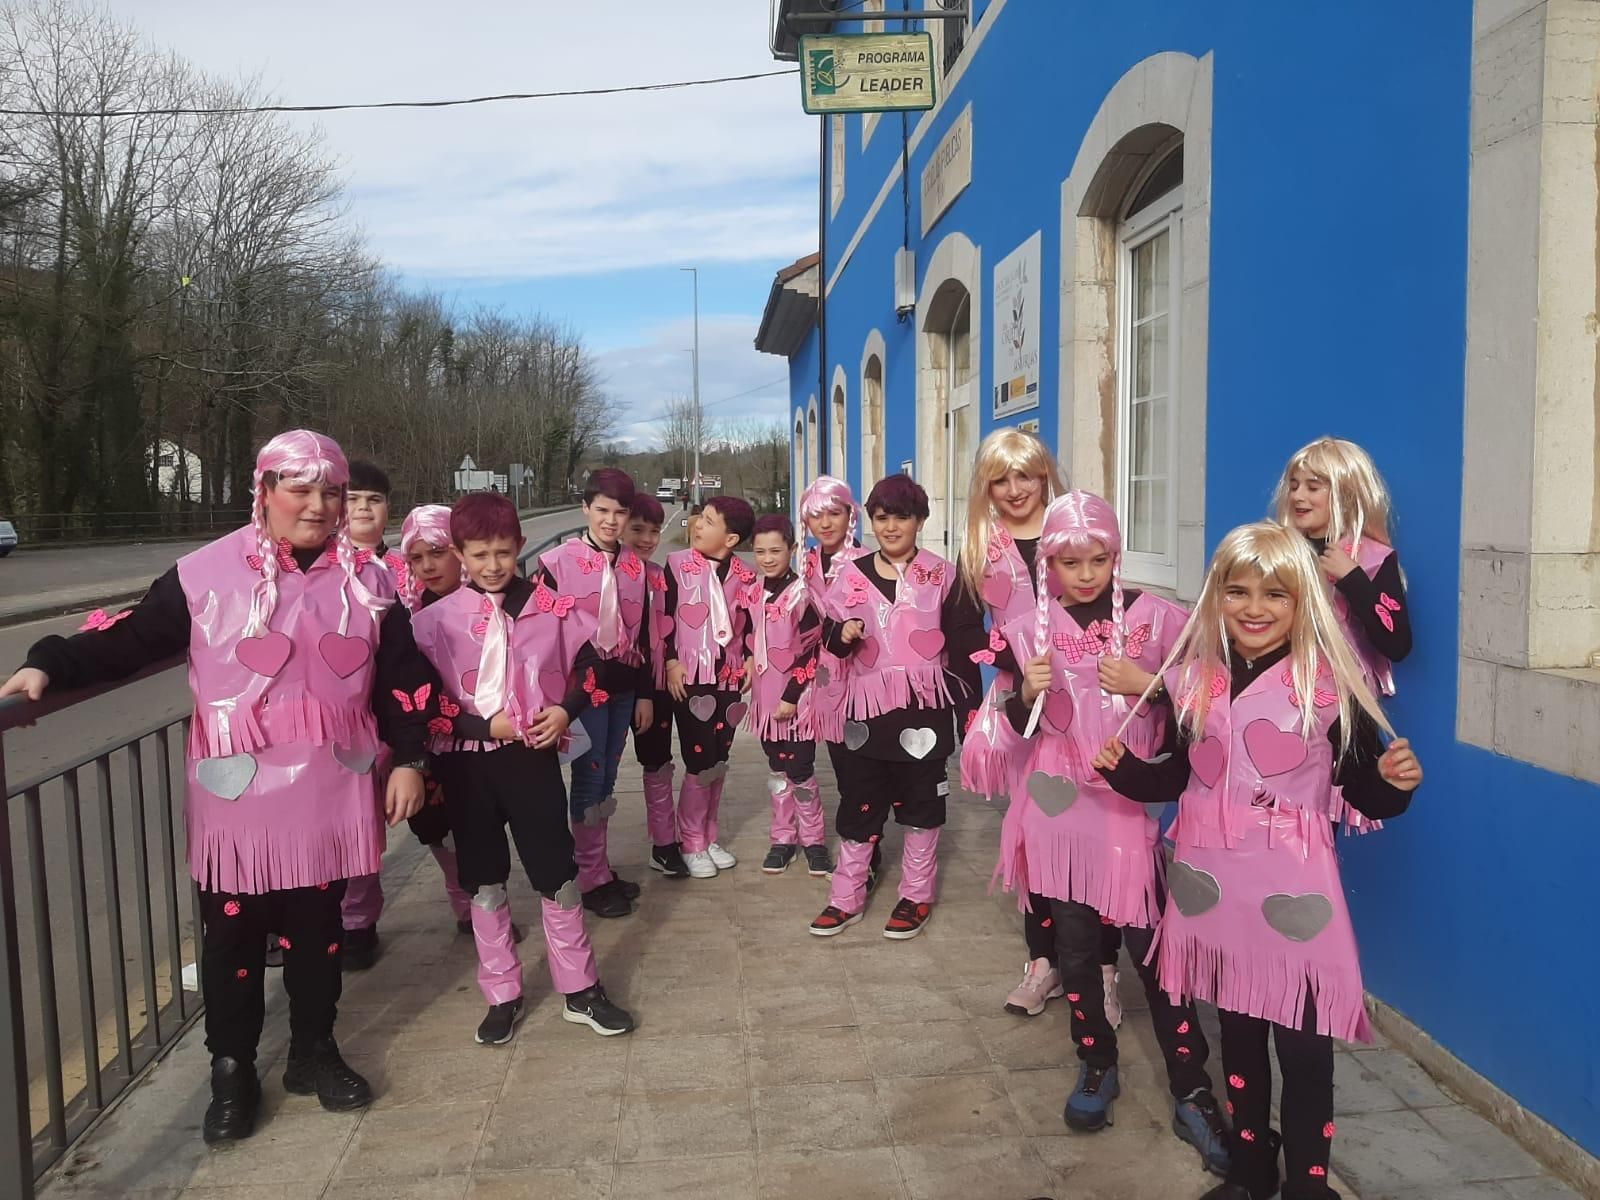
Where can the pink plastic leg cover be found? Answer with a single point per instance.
(589, 850)
(567, 943)
(499, 969)
(694, 799)
(808, 812)
(919, 865)
(783, 825)
(363, 902)
(460, 902)
(848, 892)
(658, 806)
(714, 806)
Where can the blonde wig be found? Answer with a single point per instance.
(1358, 499)
(1003, 451)
(1317, 643)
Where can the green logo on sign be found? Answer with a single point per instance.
(823, 81)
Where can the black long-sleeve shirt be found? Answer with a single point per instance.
(612, 674)
(1364, 594)
(1163, 779)
(158, 627)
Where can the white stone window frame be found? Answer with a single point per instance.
(838, 425)
(874, 461)
(1528, 687)
(1159, 98)
(956, 259)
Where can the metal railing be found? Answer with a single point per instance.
(531, 552)
(55, 1086)
(80, 528)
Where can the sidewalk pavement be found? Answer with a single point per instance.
(767, 1063)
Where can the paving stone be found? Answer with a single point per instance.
(587, 1181)
(953, 1108)
(581, 1129)
(840, 1116)
(1414, 1086)
(415, 1141)
(695, 1063)
(814, 1174)
(997, 1166)
(789, 1056)
(731, 1177)
(660, 1125)
(931, 1048)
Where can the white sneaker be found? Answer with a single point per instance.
(724, 860)
(1040, 983)
(700, 864)
(1113, 1002)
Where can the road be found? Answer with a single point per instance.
(70, 737)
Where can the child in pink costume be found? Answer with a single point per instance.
(706, 587)
(506, 657)
(295, 646)
(1067, 836)
(783, 657)
(653, 746)
(908, 628)
(1273, 710)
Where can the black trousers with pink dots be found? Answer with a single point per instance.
(233, 965)
(1305, 1058)
(1079, 937)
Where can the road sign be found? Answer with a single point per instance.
(867, 72)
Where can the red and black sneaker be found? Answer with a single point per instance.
(907, 920)
(832, 920)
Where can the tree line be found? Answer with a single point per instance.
(174, 288)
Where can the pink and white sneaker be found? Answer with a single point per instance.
(1113, 1001)
(1040, 984)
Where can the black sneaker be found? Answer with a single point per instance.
(818, 861)
(607, 900)
(235, 1099)
(669, 861)
(497, 1027)
(591, 1007)
(360, 948)
(325, 1074)
(779, 856)
(626, 886)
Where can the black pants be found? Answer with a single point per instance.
(1306, 1059)
(1040, 932)
(515, 786)
(653, 747)
(1078, 943)
(870, 789)
(432, 822)
(706, 743)
(797, 760)
(233, 965)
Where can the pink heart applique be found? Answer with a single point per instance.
(927, 643)
(1206, 759)
(868, 654)
(552, 686)
(631, 610)
(664, 624)
(590, 604)
(1058, 708)
(997, 590)
(736, 711)
(344, 655)
(693, 615)
(1274, 751)
(265, 655)
(781, 657)
(469, 682)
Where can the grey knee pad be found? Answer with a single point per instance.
(607, 808)
(777, 781)
(491, 898)
(568, 895)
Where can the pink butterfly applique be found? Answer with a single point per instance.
(408, 704)
(98, 622)
(441, 727)
(1386, 605)
(448, 706)
(806, 673)
(922, 575)
(598, 697)
(658, 582)
(744, 573)
(547, 601)
(774, 613)
(1133, 645)
(286, 559)
(590, 563)
(630, 566)
(254, 561)
(694, 564)
(996, 644)
(1320, 697)
(363, 557)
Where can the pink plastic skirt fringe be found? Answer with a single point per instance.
(767, 727)
(250, 862)
(283, 721)
(874, 693)
(1053, 859)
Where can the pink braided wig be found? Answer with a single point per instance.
(430, 524)
(827, 492)
(1079, 521)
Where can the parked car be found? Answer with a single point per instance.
(8, 538)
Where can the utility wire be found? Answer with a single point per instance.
(677, 85)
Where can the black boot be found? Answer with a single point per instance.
(235, 1099)
(360, 948)
(324, 1073)
(626, 886)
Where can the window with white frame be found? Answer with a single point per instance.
(836, 169)
(1149, 296)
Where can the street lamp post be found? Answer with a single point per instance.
(694, 494)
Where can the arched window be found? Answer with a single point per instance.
(813, 467)
(872, 448)
(839, 460)
(797, 467)
(949, 330)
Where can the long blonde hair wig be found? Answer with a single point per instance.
(1003, 451)
(1358, 499)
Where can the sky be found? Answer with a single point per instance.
(582, 209)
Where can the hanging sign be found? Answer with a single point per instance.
(1016, 330)
(866, 72)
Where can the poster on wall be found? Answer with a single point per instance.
(1016, 329)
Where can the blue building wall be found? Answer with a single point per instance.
(1337, 305)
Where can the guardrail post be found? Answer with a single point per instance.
(16, 1134)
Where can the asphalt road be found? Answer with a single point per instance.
(73, 736)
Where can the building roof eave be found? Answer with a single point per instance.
(791, 309)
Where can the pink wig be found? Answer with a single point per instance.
(827, 492)
(428, 523)
(302, 456)
(1079, 521)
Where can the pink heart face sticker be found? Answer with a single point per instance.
(469, 682)
(997, 590)
(781, 657)
(1274, 751)
(1058, 709)
(344, 655)
(926, 643)
(693, 615)
(265, 655)
(1205, 760)
(868, 654)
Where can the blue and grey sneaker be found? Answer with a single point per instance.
(1196, 1119)
(1089, 1106)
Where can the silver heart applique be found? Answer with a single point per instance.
(824, 676)
(777, 784)
(1298, 918)
(356, 761)
(1194, 891)
(226, 777)
(855, 735)
(701, 707)
(918, 742)
(1051, 793)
